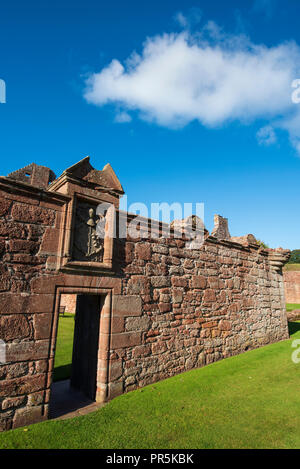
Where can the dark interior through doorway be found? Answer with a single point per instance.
(77, 389)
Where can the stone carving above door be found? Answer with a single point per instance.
(89, 229)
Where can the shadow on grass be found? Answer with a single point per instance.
(62, 372)
(294, 327)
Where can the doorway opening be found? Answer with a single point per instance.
(75, 371)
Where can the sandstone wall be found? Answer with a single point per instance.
(198, 306)
(28, 221)
(292, 286)
(69, 302)
(167, 308)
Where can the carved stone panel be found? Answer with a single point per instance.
(88, 244)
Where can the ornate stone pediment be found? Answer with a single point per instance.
(106, 178)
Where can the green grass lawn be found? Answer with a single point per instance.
(64, 347)
(291, 267)
(292, 306)
(248, 401)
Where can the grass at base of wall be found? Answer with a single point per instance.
(64, 347)
(292, 306)
(251, 400)
(291, 267)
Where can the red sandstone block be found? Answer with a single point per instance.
(115, 369)
(12, 402)
(141, 351)
(46, 284)
(50, 242)
(22, 386)
(115, 389)
(209, 296)
(22, 258)
(14, 326)
(117, 324)
(129, 305)
(139, 285)
(143, 251)
(125, 339)
(5, 279)
(160, 281)
(36, 398)
(209, 324)
(129, 252)
(25, 303)
(31, 350)
(5, 205)
(225, 325)
(152, 333)
(165, 307)
(2, 245)
(33, 214)
(23, 245)
(13, 230)
(198, 281)
(159, 347)
(42, 325)
(41, 366)
(27, 416)
(179, 282)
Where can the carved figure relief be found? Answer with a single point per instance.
(88, 234)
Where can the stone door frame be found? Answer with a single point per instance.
(104, 335)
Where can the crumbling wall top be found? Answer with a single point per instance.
(35, 175)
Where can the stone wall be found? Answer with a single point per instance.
(28, 221)
(292, 286)
(198, 306)
(69, 302)
(166, 308)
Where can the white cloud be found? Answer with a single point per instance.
(209, 76)
(123, 117)
(190, 19)
(181, 19)
(266, 136)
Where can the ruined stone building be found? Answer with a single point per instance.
(146, 308)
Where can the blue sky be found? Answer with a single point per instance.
(161, 153)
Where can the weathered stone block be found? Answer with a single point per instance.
(138, 285)
(32, 214)
(5, 205)
(22, 245)
(125, 340)
(13, 402)
(27, 416)
(14, 327)
(127, 305)
(31, 350)
(115, 389)
(179, 282)
(198, 281)
(143, 251)
(138, 324)
(42, 325)
(160, 281)
(25, 303)
(115, 369)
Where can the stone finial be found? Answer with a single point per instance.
(220, 230)
(278, 258)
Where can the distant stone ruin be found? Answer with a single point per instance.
(146, 308)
